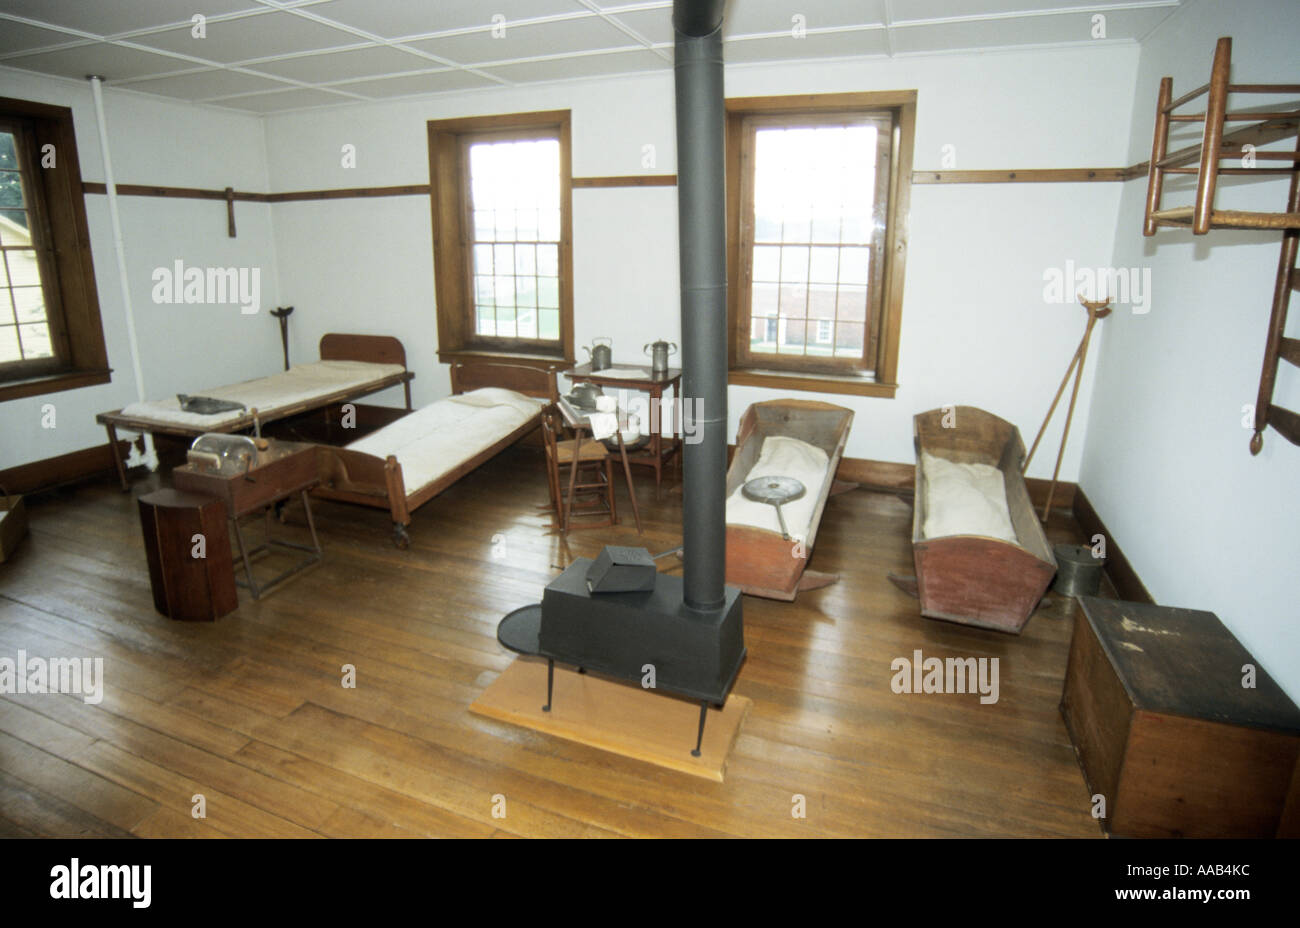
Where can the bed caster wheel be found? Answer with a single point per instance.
(400, 536)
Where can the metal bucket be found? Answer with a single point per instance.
(1078, 572)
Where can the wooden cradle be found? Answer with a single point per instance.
(759, 561)
(974, 579)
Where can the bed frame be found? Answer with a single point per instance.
(334, 346)
(973, 579)
(759, 561)
(367, 480)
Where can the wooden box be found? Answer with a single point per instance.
(185, 587)
(1166, 732)
(13, 525)
(286, 467)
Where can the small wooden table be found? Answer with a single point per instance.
(642, 380)
(283, 469)
(579, 420)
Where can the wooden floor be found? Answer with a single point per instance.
(251, 712)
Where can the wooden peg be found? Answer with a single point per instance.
(230, 211)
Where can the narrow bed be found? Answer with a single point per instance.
(981, 555)
(350, 367)
(802, 439)
(406, 463)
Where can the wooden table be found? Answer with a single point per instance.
(283, 469)
(659, 452)
(580, 422)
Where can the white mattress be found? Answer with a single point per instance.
(964, 499)
(782, 456)
(301, 383)
(434, 440)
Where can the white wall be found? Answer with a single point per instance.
(1166, 462)
(976, 329)
(183, 348)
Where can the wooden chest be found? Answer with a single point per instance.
(286, 467)
(1168, 734)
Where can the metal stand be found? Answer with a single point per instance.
(246, 553)
(699, 735)
(550, 683)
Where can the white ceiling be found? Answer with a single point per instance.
(266, 56)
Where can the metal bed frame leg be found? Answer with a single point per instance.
(248, 565)
(550, 683)
(699, 735)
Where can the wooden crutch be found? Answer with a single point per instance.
(1096, 311)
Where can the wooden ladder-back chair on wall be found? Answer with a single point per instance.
(594, 480)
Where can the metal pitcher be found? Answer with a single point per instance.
(602, 355)
(659, 352)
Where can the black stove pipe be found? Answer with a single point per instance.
(701, 219)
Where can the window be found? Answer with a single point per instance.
(818, 189)
(502, 235)
(50, 332)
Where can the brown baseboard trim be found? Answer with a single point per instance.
(64, 469)
(1127, 583)
(893, 477)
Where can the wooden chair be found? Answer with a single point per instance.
(595, 477)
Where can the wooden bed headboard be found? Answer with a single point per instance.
(530, 381)
(377, 349)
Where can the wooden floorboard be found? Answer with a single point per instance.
(251, 712)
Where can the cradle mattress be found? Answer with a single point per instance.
(965, 499)
(301, 383)
(440, 437)
(782, 456)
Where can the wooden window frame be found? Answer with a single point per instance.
(452, 259)
(62, 237)
(882, 358)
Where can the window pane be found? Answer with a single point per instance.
(822, 301)
(482, 259)
(505, 292)
(794, 264)
(504, 259)
(548, 229)
(29, 303)
(791, 337)
(849, 340)
(526, 291)
(9, 344)
(526, 224)
(766, 298)
(794, 300)
(485, 322)
(484, 294)
(526, 322)
(767, 264)
(484, 229)
(824, 265)
(505, 224)
(852, 304)
(548, 261)
(8, 154)
(548, 325)
(526, 260)
(854, 265)
(548, 293)
(23, 269)
(36, 341)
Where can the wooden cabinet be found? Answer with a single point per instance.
(188, 548)
(1167, 732)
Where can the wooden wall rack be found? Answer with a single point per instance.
(1269, 123)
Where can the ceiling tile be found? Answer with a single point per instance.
(112, 62)
(574, 35)
(261, 36)
(410, 84)
(396, 18)
(556, 69)
(103, 17)
(16, 37)
(655, 25)
(838, 44)
(284, 100)
(750, 18)
(204, 84)
(1057, 28)
(903, 10)
(341, 66)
